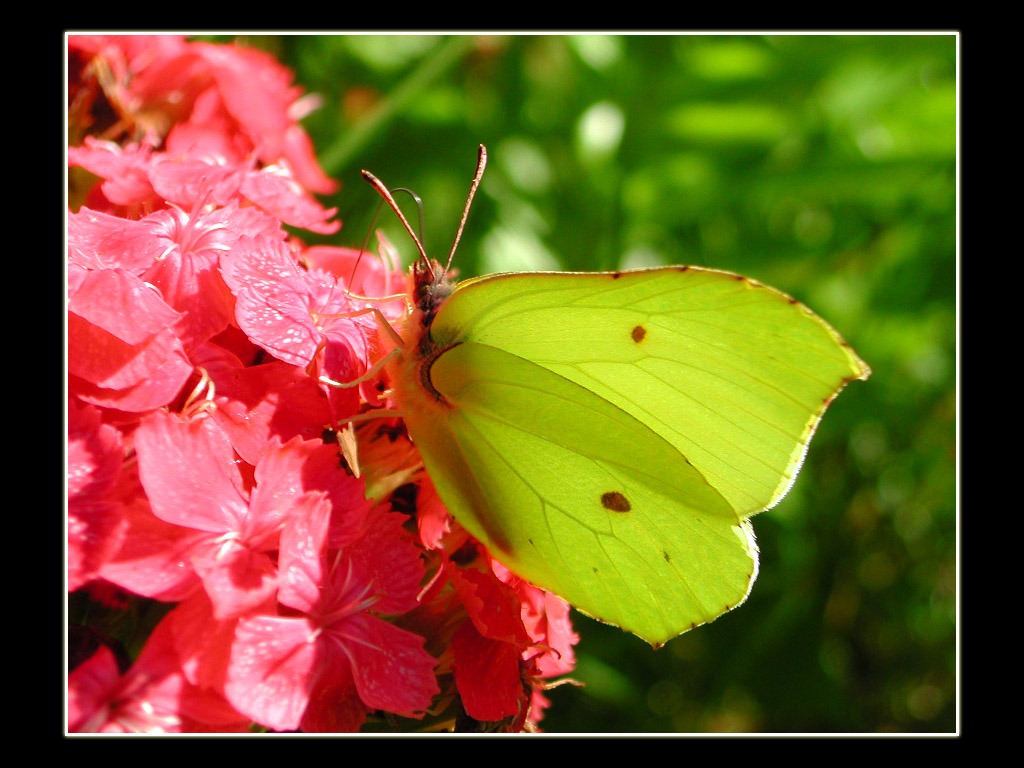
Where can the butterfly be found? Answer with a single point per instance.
(608, 435)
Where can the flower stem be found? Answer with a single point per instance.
(447, 53)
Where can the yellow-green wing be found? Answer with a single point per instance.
(734, 374)
(577, 496)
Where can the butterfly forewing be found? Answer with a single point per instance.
(735, 375)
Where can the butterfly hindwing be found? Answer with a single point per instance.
(576, 495)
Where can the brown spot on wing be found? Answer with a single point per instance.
(638, 333)
(615, 501)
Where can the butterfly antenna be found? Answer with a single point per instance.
(366, 242)
(419, 208)
(373, 223)
(378, 185)
(481, 163)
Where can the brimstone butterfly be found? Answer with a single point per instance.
(607, 435)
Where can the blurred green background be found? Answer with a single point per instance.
(822, 165)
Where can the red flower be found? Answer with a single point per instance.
(516, 635)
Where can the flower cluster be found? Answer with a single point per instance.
(312, 579)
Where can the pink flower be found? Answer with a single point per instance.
(303, 317)
(152, 697)
(192, 480)
(211, 462)
(125, 172)
(258, 405)
(257, 92)
(287, 310)
(138, 180)
(338, 651)
(95, 518)
(487, 648)
(154, 557)
(123, 346)
(189, 248)
(241, 96)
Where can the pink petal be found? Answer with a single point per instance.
(97, 240)
(282, 485)
(124, 168)
(236, 579)
(90, 686)
(120, 330)
(154, 560)
(274, 304)
(335, 707)
(283, 197)
(387, 559)
(95, 527)
(298, 149)
(272, 670)
(160, 387)
(202, 643)
(303, 570)
(431, 515)
(259, 404)
(188, 471)
(390, 668)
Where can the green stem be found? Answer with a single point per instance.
(436, 63)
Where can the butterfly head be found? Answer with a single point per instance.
(431, 286)
(431, 283)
